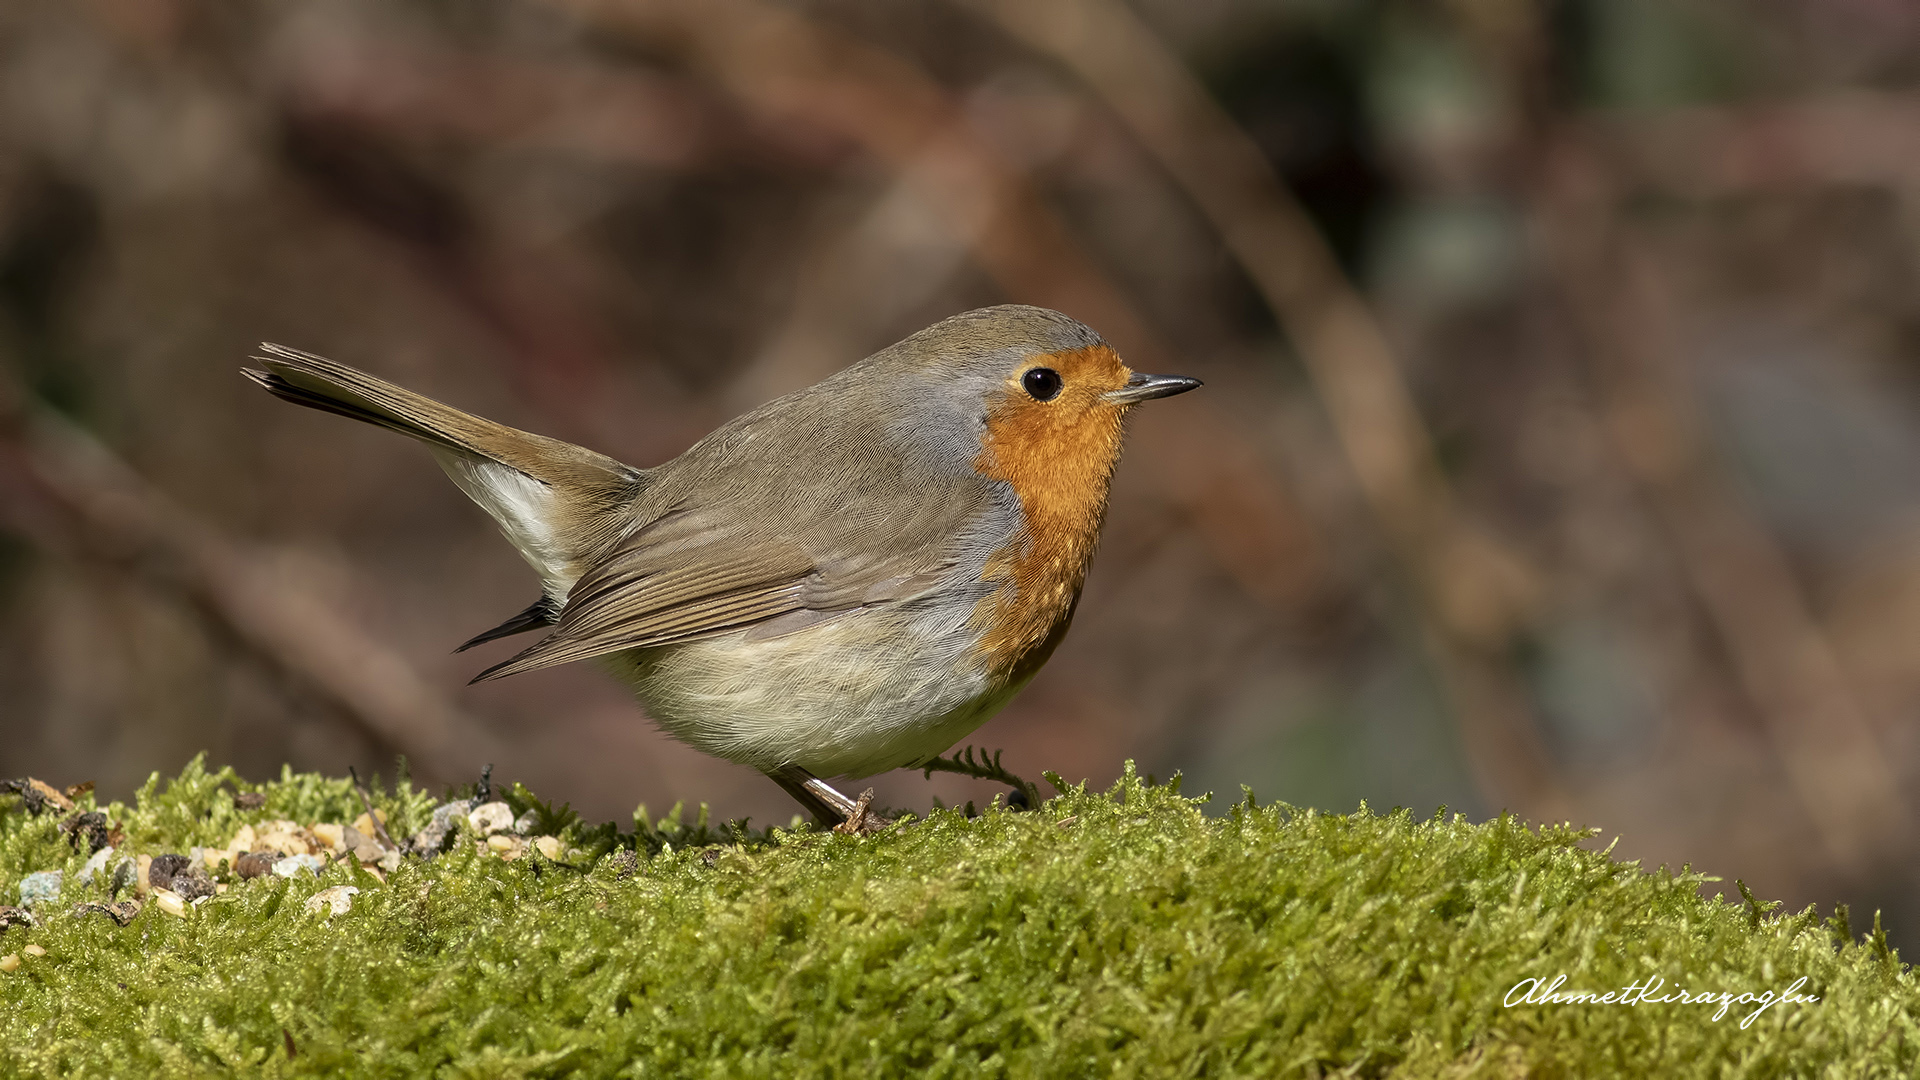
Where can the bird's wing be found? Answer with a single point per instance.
(659, 588)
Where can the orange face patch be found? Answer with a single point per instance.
(1058, 456)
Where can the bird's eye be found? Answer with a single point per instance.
(1042, 382)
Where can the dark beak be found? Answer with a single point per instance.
(1142, 386)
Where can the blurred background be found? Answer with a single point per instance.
(1560, 450)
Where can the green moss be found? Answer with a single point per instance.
(198, 808)
(1108, 933)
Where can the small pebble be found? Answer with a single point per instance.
(490, 818)
(34, 950)
(162, 870)
(141, 866)
(550, 847)
(125, 870)
(255, 863)
(285, 837)
(625, 862)
(249, 800)
(122, 912)
(10, 962)
(330, 834)
(95, 865)
(284, 841)
(506, 846)
(89, 829)
(365, 824)
(389, 860)
(11, 917)
(192, 886)
(35, 888)
(432, 840)
(337, 900)
(170, 902)
(524, 823)
(293, 864)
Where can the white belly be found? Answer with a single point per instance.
(854, 696)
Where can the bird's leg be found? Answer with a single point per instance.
(826, 810)
(828, 806)
(862, 822)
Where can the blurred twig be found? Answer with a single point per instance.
(69, 492)
(1476, 593)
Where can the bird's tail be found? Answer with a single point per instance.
(554, 501)
(320, 383)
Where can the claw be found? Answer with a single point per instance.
(862, 821)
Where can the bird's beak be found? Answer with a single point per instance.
(1141, 386)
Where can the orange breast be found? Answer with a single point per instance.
(1058, 456)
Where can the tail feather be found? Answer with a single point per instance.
(540, 614)
(555, 501)
(319, 383)
(279, 386)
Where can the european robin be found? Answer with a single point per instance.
(847, 579)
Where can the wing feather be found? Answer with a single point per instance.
(712, 616)
(630, 601)
(788, 551)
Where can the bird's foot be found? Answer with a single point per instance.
(861, 820)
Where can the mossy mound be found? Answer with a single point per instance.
(1116, 933)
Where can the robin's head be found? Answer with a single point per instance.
(1036, 400)
(1041, 397)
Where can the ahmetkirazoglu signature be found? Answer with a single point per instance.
(1532, 991)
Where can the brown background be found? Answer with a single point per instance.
(1560, 450)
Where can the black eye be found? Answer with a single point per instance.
(1042, 382)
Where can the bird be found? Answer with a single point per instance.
(845, 580)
